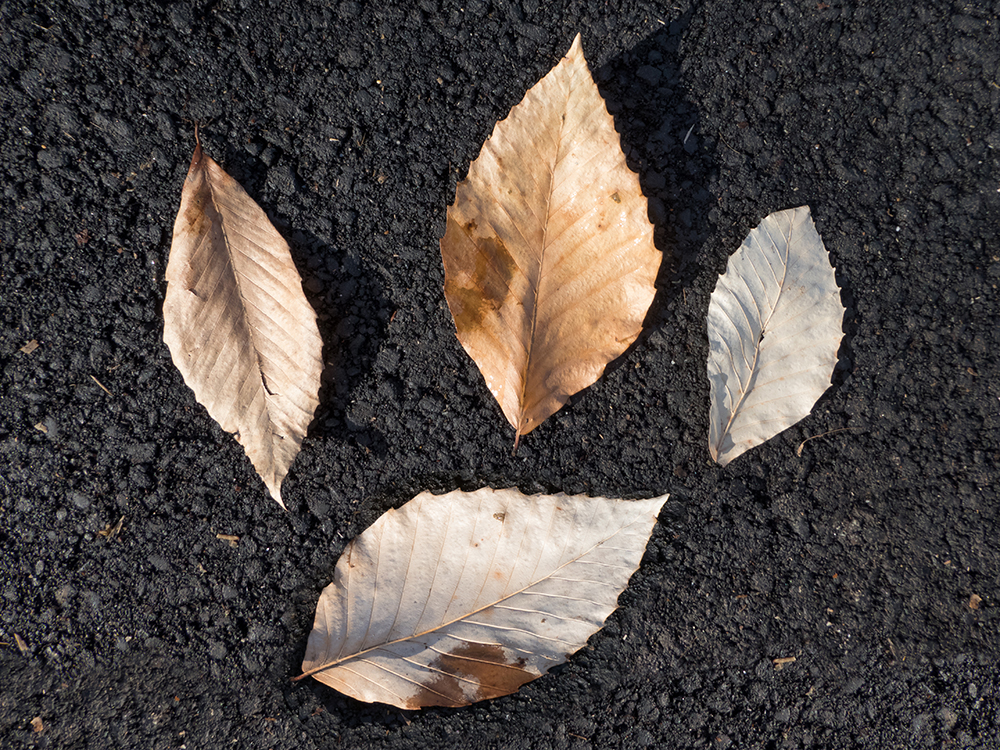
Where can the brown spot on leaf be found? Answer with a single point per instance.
(476, 292)
(472, 672)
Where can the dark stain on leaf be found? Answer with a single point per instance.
(474, 293)
(468, 666)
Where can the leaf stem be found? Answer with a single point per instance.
(798, 451)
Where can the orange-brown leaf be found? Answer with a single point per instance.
(237, 323)
(548, 252)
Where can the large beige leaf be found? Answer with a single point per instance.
(236, 321)
(548, 252)
(461, 597)
(774, 327)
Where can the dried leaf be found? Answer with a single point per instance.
(30, 347)
(237, 323)
(112, 529)
(461, 597)
(774, 327)
(548, 252)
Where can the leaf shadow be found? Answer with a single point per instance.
(658, 124)
(353, 317)
(845, 354)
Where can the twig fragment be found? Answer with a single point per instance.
(99, 383)
(798, 451)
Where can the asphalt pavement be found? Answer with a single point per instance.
(836, 587)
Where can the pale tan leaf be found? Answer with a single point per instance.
(461, 597)
(774, 327)
(548, 251)
(237, 323)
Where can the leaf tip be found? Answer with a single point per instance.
(576, 48)
(275, 490)
(656, 505)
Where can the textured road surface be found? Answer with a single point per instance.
(843, 597)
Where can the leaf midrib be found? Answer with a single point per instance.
(220, 210)
(522, 400)
(763, 329)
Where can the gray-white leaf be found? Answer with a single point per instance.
(774, 327)
(461, 597)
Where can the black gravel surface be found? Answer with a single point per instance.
(838, 594)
